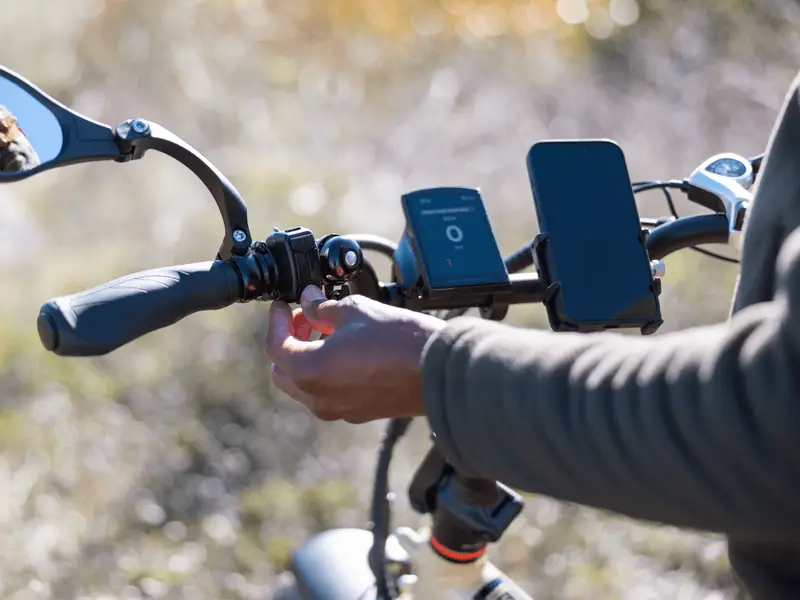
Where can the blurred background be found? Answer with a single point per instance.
(172, 468)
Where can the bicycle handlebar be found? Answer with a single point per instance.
(100, 320)
(687, 232)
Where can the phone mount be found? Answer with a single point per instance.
(557, 314)
(65, 137)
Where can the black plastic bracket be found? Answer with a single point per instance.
(496, 311)
(137, 136)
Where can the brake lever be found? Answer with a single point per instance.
(136, 136)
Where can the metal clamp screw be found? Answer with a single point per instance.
(658, 268)
(140, 126)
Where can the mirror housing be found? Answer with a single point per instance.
(82, 139)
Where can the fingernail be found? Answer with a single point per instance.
(312, 294)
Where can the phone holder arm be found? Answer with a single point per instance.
(137, 136)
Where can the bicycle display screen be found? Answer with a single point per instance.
(453, 239)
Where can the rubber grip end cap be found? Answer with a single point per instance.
(48, 332)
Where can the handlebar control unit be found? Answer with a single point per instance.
(297, 260)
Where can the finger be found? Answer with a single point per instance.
(324, 315)
(279, 322)
(322, 408)
(285, 384)
(300, 326)
(293, 355)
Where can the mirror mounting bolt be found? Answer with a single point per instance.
(140, 126)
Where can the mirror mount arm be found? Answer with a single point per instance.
(136, 136)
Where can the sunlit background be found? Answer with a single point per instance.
(172, 468)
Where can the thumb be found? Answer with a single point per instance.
(322, 314)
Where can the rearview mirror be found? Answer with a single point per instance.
(38, 133)
(29, 133)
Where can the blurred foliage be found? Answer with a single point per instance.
(171, 468)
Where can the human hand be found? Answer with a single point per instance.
(366, 366)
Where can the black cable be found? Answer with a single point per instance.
(643, 186)
(380, 511)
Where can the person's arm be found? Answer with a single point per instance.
(698, 429)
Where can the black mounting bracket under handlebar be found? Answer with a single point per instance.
(136, 136)
(468, 512)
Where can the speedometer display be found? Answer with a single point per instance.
(727, 167)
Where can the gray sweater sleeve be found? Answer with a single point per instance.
(672, 428)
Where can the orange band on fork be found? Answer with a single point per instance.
(456, 556)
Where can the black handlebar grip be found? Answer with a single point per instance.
(106, 317)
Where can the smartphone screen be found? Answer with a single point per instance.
(584, 202)
(454, 238)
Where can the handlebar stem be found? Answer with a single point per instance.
(468, 512)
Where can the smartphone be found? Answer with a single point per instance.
(591, 242)
(453, 242)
